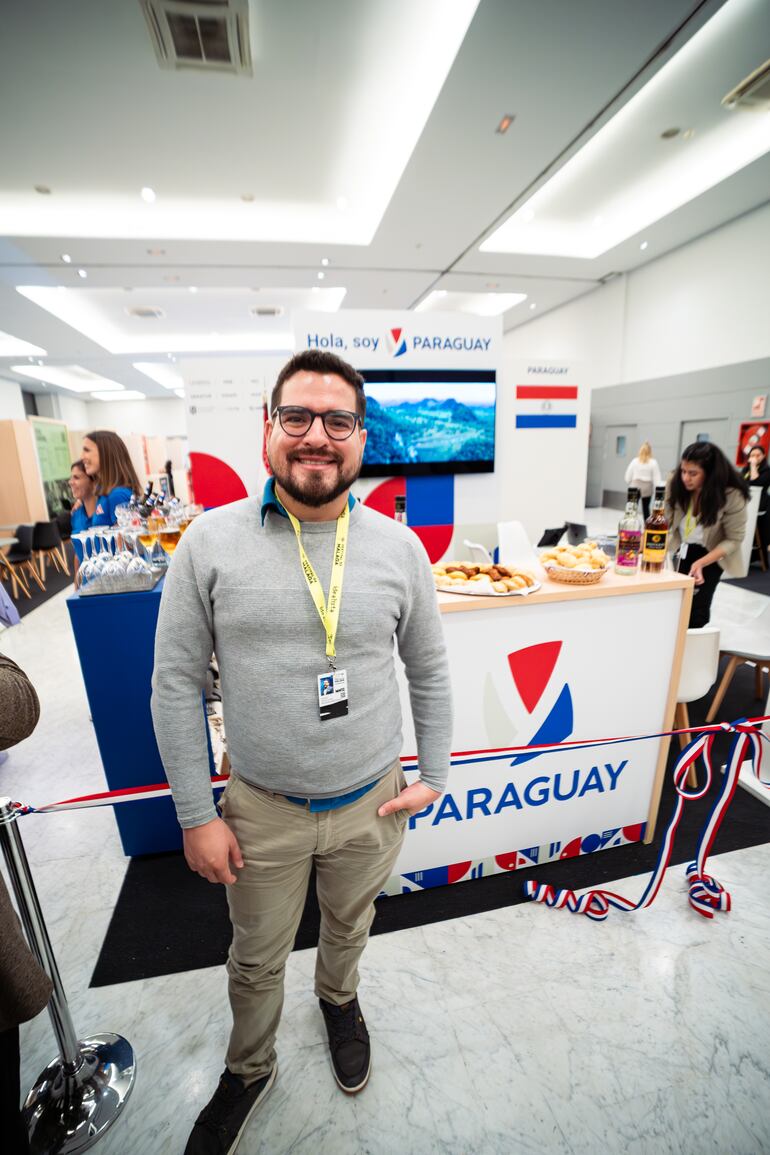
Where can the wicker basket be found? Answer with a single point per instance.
(574, 577)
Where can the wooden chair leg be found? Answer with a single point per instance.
(41, 564)
(30, 567)
(18, 579)
(692, 779)
(61, 553)
(727, 678)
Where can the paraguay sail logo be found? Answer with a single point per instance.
(532, 671)
(396, 342)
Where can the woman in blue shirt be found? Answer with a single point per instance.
(84, 497)
(106, 460)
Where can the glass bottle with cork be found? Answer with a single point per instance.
(655, 541)
(629, 537)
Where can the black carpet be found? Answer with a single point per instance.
(54, 583)
(168, 919)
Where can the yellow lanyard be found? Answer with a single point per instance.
(690, 522)
(329, 616)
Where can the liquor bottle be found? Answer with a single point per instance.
(400, 510)
(655, 535)
(629, 546)
(170, 479)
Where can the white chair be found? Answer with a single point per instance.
(700, 664)
(514, 545)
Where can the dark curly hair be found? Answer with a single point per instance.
(317, 361)
(720, 476)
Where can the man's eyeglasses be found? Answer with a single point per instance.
(296, 420)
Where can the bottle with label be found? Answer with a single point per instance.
(629, 536)
(655, 539)
(400, 510)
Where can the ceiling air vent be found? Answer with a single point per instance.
(212, 35)
(267, 310)
(146, 312)
(753, 92)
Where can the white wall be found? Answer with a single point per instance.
(155, 417)
(700, 307)
(11, 402)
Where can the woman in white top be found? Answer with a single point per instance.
(644, 473)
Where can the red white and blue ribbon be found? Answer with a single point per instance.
(706, 895)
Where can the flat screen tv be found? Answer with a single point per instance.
(428, 421)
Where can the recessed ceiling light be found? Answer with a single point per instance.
(505, 123)
(160, 372)
(14, 347)
(320, 276)
(324, 260)
(39, 361)
(66, 258)
(72, 377)
(82, 273)
(643, 245)
(533, 305)
(477, 304)
(147, 194)
(670, 133)
(192, 289)
(124, 395)
(43, 189)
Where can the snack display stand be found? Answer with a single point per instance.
(565, 663)
(562, 663)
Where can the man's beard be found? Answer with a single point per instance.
(317, 490)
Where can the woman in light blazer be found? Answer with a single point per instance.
(706, 502)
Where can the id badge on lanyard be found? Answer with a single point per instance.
(332, 685)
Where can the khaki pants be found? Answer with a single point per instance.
(354, 851)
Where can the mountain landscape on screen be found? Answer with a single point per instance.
(428, 430)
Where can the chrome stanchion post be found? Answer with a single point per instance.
(81, 1093)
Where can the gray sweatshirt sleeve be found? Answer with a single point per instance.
(183, 647)
(423, 652)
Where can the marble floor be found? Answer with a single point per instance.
(518, 1030)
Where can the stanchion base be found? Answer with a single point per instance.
(68, 1112)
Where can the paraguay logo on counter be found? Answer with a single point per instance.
(532, 670)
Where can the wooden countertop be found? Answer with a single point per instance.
(610, 585)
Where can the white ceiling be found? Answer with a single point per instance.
(391, 105)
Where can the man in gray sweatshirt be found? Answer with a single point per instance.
(291, 589)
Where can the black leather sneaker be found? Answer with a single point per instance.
(348, 1045)
(222, 1121)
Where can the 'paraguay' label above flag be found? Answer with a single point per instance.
(544, 406)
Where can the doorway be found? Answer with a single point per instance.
(711, 429)
(620, 446)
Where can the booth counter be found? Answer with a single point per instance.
(561, 664)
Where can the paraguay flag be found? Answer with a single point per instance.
(546, 406)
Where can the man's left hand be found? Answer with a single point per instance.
(412, 798)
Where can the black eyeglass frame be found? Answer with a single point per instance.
(312, 413)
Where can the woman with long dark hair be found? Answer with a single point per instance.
(106, 459)
(706, 507)
(757, 474)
